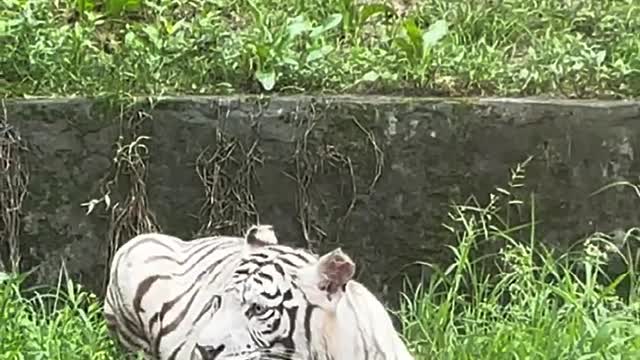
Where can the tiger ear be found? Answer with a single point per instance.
(335, 269)
(260, 235)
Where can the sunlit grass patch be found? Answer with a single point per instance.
(453, 47)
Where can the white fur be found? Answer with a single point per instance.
(338, 325)
(264, 234)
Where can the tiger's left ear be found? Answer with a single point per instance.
(335, 269)
(261, 235)
(325, 281)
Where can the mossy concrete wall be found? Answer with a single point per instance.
(375, 175)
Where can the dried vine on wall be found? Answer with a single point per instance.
(14, 179)
(130, 215)
(310, 160)
(227, 173)
(306, 166)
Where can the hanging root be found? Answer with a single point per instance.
(341, 162)
(228, 174)
(306, 166)
(14, 179)
(377, 151)
(131, 215)
(311, 160)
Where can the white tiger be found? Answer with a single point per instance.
(245, 298)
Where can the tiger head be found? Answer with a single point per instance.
(284, 303)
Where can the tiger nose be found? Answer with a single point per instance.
(209, 352)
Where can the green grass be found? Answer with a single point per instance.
(573, 48)
(525, 301)
(51, 324)
(538, 305)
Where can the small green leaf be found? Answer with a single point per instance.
(262, 51)
(369, 10)
(331, 22)
(267, 79)
(435, 33)
(153, 33)
(370, 76)
(290, 61)
(298, 26)
(130, 39)
(600, 56)
(615, 283)
(601, 338)
(172, 28)
(85, 5)
(115, 7)
(414, 33)
(607, 334)
(406, 47)
(319, 53)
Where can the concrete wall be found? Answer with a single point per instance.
(374, 175)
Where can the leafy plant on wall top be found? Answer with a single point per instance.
(356, 14)
(416, 44)
(273, 46)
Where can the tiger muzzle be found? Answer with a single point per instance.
(209, 352)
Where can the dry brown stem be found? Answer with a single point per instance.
(228, 174)
(14, 179)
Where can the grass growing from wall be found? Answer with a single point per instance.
(537, 306)
(586, 48)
